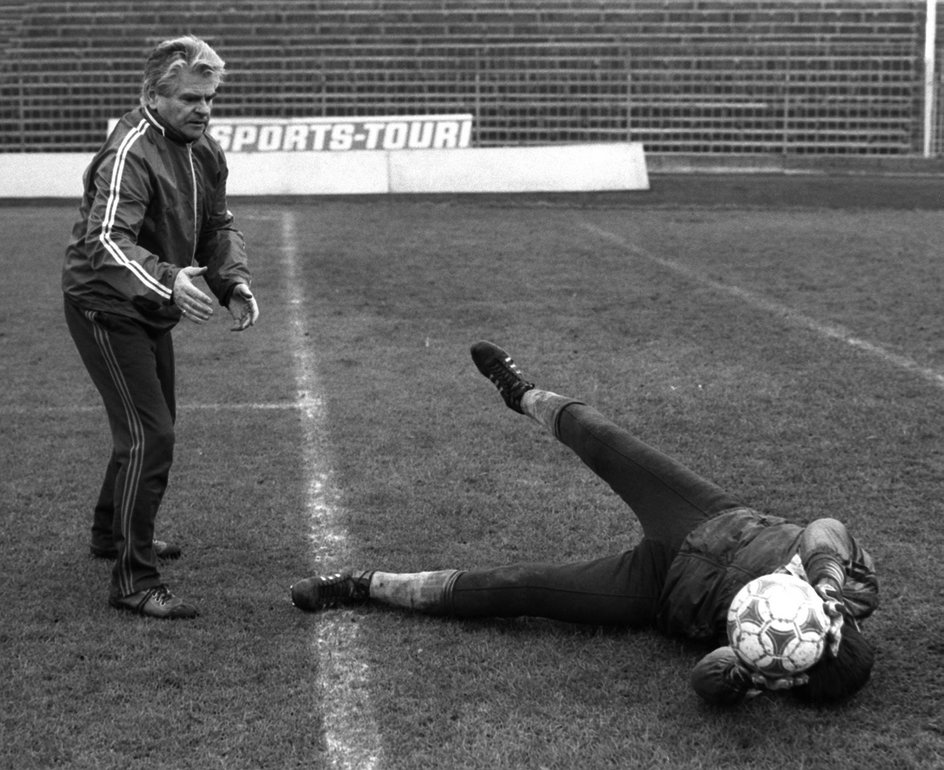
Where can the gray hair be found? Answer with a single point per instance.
(170, 57)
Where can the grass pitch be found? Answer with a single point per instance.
(782, 336)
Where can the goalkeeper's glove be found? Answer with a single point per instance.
(832, 604)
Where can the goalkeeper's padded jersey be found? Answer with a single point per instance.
(733, 548)
(153, 203)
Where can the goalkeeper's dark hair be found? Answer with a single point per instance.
(835, 679)
(170, 57)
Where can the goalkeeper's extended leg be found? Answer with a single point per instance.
(669, 499)
(619, 590)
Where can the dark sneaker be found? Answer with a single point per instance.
(164, 551)
(327, 591)
(497, 365)
(155, 602)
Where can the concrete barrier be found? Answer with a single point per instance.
(559, 168)
(308, 173)
(554, 168)
(36, 175)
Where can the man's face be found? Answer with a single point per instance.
(187, 107)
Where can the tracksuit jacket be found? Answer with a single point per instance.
(165, 210)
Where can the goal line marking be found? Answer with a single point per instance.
(350, 731)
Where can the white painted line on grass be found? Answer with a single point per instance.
(832, 331)
(349, 728)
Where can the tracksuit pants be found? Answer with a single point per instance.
(132, 366)
(668, 499)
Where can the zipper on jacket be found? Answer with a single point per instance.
(193, 181)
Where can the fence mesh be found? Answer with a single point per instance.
(828, 88)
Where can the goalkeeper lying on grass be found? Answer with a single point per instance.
(700, 546)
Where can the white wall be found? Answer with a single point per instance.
(553, 168)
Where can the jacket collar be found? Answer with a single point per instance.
(154, 118)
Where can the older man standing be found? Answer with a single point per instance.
(153, 217)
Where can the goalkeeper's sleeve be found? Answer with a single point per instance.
(831, 556)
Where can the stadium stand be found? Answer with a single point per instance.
(787, 77)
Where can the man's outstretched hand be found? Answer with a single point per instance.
(243, 307)
(193, 303)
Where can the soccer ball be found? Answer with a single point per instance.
(777, 625)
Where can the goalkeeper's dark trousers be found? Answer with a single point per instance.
(132, 366)
(668, 499)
